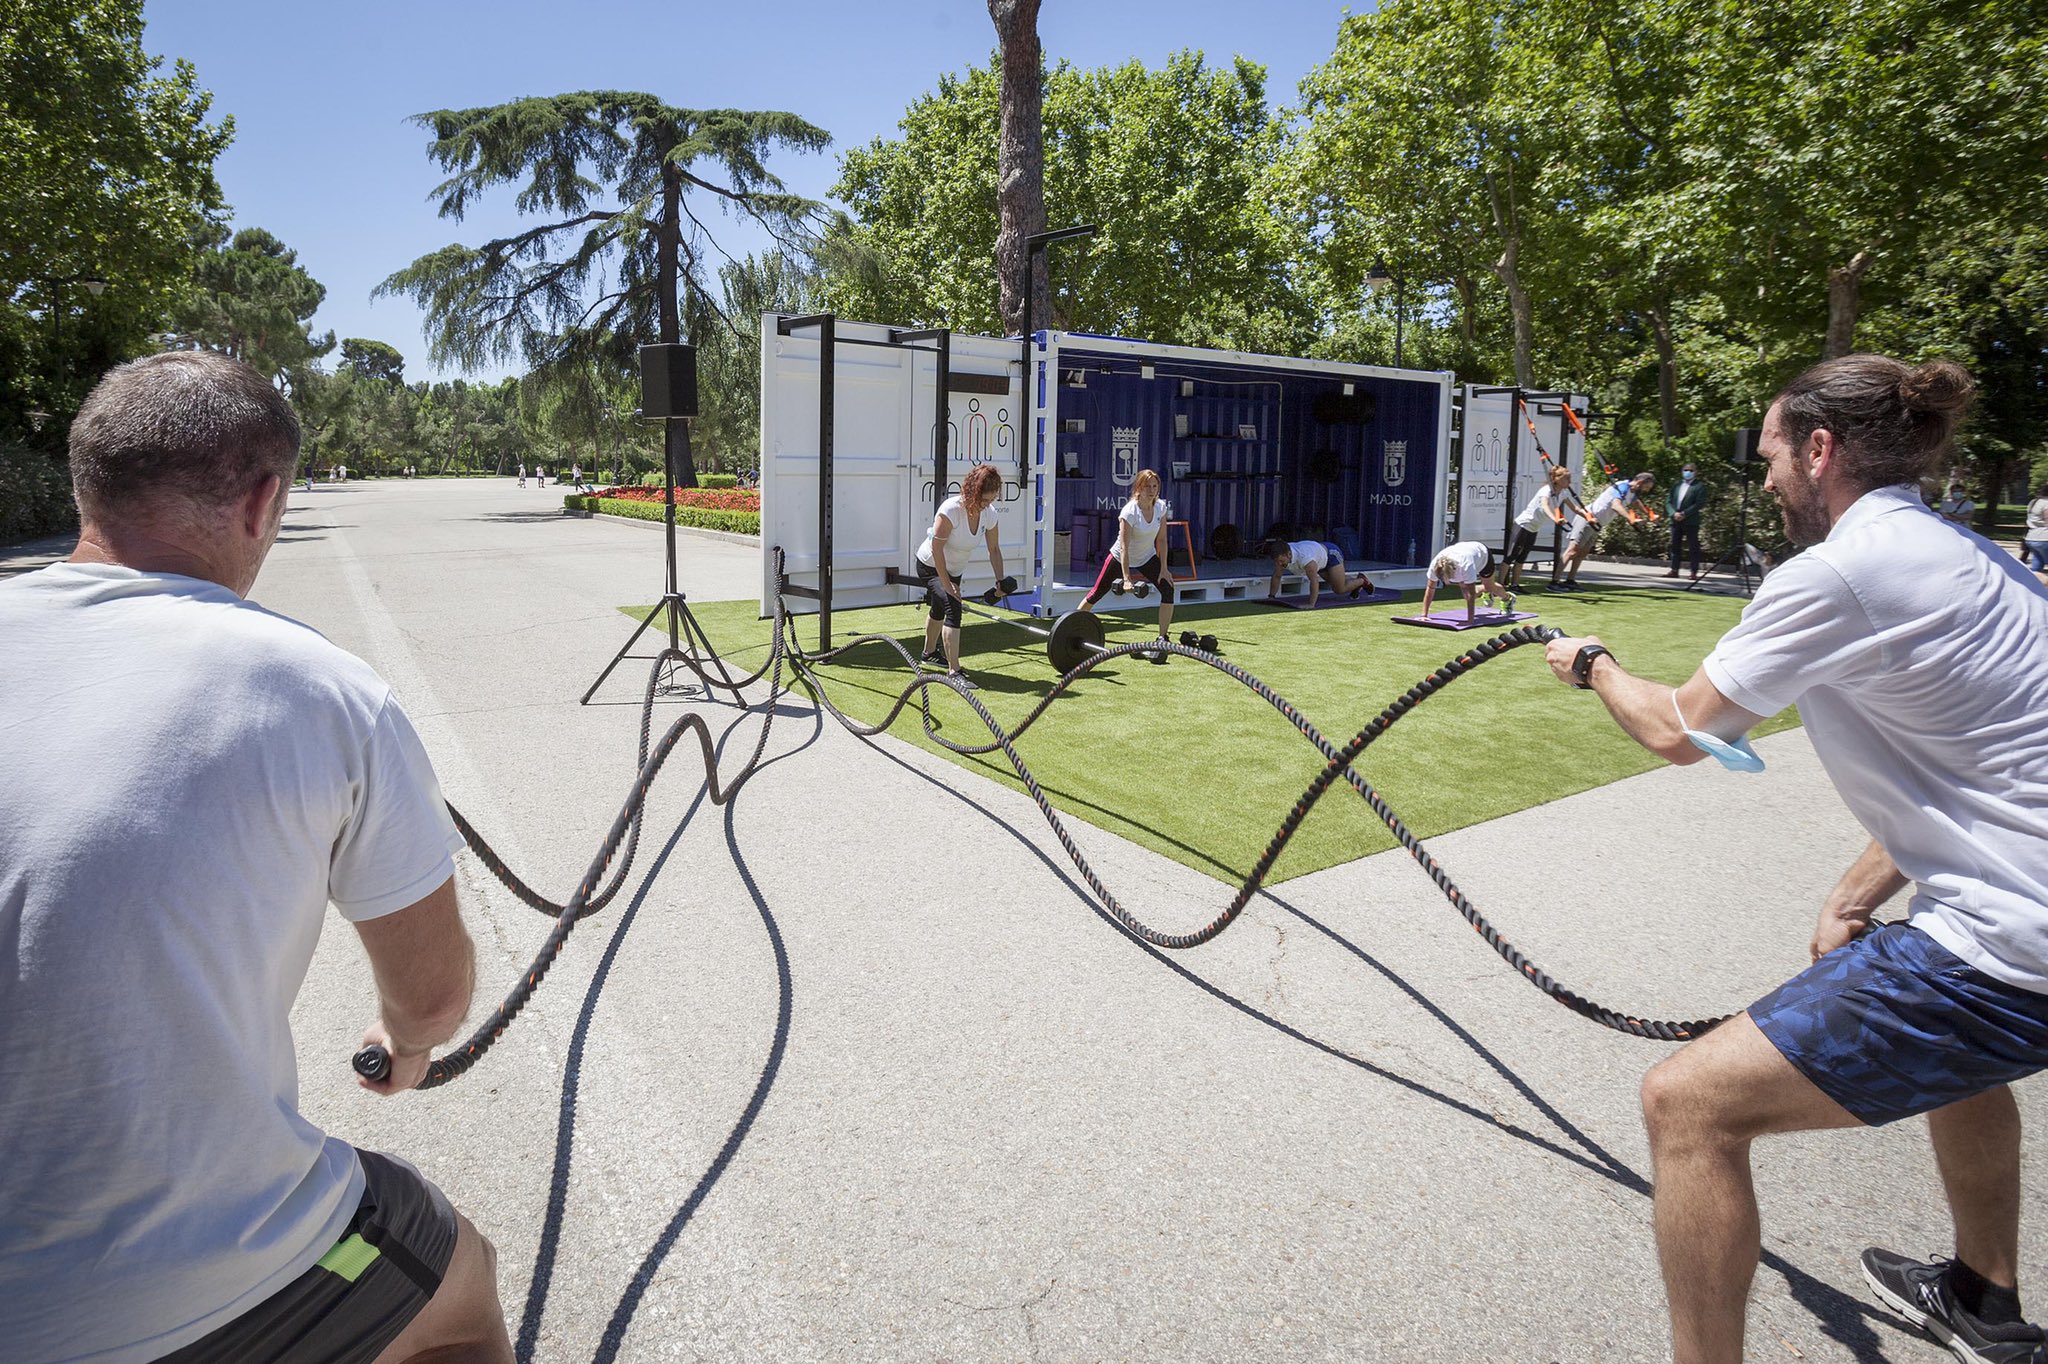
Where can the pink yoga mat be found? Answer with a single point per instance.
(1455, 620)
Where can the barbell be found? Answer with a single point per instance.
(1073, 639)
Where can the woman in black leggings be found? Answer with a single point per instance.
(1139, 552)
(945, 554)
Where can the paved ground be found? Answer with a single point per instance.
(855, 1071)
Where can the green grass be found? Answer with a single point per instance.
(1187, 762)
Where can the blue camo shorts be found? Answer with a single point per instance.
(1894, 1024)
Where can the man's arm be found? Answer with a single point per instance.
(425, 965)
(1644, 708)
(1871, 880)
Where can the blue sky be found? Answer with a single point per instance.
(324, 156)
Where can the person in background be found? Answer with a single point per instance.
(2034, 544)
(1546, 508)
(1615, 499)
(165, 1199)
(1469, 564)
(1957, 507)
(1914, 656)
(1139, 553)
(945, 555)
(1684, 505)
(1319, 561)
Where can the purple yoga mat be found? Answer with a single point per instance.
(1455, 620)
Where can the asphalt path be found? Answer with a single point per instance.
(855, 1070)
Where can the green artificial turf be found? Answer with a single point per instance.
(1193, 765)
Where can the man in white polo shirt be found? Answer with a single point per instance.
(1913, 650)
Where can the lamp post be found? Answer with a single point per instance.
(61, 371)
(1378, 278)
(1034, 246)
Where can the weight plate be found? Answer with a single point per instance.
(1075, 637)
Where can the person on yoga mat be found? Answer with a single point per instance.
(1468, 564)
(1319, 561)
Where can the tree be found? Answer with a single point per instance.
(1168, 163)
(251, 299)
(106, 172)
(372, 360)
(595, 281)
(1020, 157)
(729, 351)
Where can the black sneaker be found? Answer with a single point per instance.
(1918, 1290)
(964, 682)
(934, 658)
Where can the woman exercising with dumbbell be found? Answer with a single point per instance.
(947, 550)
(1139, 554)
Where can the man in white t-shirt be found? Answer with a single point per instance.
(1619, 497)
(186, 782)
(1912, 648)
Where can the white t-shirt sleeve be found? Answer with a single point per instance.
(1804, 629)
(399, 843)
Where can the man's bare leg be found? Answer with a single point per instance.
(1977, 1148)
(1704, 1106)
(463, 1323)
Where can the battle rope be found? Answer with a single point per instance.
(1340, 763)
(375, 1063)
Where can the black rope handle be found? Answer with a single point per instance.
(1340, 763)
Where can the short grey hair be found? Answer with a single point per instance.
(185, 427)
(1895, 421)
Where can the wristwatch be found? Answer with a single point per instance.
(1582, 664)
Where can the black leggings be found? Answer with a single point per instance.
(944, 605)
(1113, 568)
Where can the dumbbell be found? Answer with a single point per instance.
(1141, 589)
(1190, 640)
(1005, 588)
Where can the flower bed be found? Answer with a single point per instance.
(734, 521)
(714, 499)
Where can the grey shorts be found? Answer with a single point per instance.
(365, 1289)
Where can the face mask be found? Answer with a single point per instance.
(1736, 757)
(1688, 475)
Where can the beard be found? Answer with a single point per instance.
(1805, 509)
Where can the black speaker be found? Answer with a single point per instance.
(668, 381)
(1745, 446)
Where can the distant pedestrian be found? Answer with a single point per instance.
(540, 472)
(2036, 542)
(344, 473)
(1957, 507)
(1683, 506)
(522, 475)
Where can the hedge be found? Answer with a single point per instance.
(735, 522)
(35, 494)
(654, 479)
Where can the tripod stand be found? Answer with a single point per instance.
(1741, 558)
(682, 624)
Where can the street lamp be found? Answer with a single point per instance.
(94, 286)
(1378, 278)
